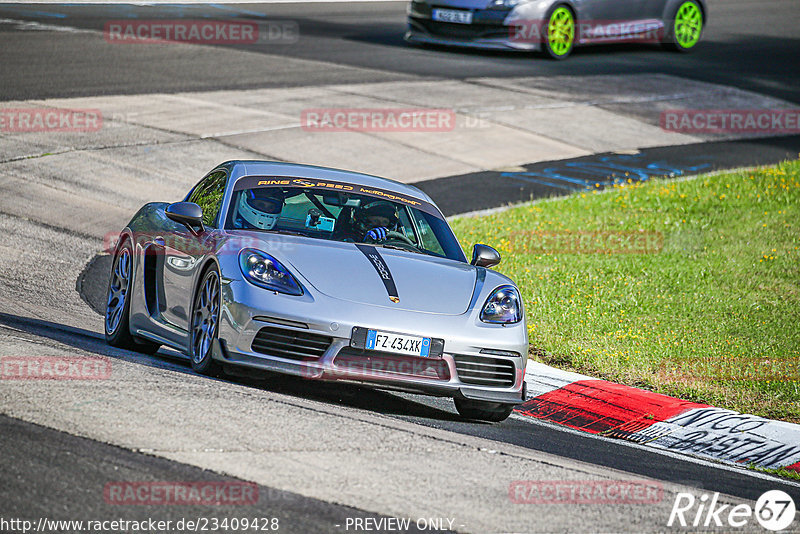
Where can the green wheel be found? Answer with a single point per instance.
(560, 34)
(687, 27)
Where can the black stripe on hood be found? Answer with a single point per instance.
(382, 269)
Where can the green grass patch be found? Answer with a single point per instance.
(689, 288)
(781, 472)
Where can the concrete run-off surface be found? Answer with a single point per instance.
(496, 123)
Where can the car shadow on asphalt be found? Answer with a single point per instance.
(396, 40)
(346, 394)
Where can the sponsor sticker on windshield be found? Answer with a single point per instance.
(251, 182)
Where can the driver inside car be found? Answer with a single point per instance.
(375, 220)
(259, 208)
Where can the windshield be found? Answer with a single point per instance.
(354, 215)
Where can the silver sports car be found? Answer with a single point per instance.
(555, 26)
(324, 274)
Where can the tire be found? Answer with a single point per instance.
(559, 34)
(118, 304)
(685, 28)
(493, 412)
(204, 322)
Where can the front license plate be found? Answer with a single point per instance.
(452, 15)
(399, 343)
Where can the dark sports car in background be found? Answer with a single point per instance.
(320, 273)
(555, 26)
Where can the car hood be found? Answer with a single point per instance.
(344, 271)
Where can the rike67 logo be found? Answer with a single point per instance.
(775, 510)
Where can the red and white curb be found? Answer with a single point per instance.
(613, 410)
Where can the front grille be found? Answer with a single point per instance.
(290, 344)
(386, 364)
(463, 31)
(483, 371)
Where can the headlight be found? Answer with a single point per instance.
(503, 4)
(265, 271)
(502, 306)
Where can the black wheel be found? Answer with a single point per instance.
(493, 412)
(559, 32)
(118, 305)
(205, 323)
(685, 28)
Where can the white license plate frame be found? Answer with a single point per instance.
(455, 16)
(396, 343)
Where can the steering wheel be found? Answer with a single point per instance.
(398, 239)
(399, 236)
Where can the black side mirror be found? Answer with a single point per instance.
(484, 256)
(186, 213)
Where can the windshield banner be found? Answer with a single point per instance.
(252, 182)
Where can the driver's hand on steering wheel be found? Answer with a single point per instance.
(377, 234)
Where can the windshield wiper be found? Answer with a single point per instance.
(286, 232)
(395, 247)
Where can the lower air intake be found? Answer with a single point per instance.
(290, 344)
(386, 364)
(483, 371)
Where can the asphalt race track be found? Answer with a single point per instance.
(751, 45)
(34, 452)
(325, 454)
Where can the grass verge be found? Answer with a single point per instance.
(781, 472)
(688, 288)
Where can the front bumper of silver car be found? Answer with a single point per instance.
(484, 362)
